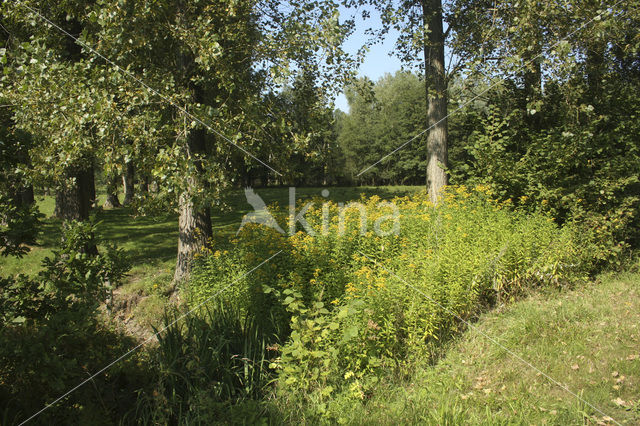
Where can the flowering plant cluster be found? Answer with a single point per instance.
(349, 303)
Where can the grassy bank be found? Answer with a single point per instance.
(587, 339)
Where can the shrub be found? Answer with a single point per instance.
(358, 302)
(51, 340)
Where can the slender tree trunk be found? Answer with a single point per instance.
(112, 192)
(194, 223)
(91, 185)
(436, 99)
(145, 184)
(128, 183)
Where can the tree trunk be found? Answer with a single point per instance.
(145, 184)
(128, 183)
(27, 197)
(194, 232)
(112, 192)
(436, 98)
(73, 200)
(194, 224)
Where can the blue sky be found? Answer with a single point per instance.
(377, 62)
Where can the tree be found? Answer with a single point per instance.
(421, 28)
(209, 65)
(219, 59)
(559, 141)
(381, 114)
(436, 98)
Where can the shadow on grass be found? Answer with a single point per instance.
(148, 240)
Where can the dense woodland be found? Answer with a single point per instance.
(519, 120)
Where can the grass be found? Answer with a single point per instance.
(588, 339)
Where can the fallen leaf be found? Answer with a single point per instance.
(619, 401)
(575, 367)
(632, 357)
(615, 374)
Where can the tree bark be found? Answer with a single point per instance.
(436, 84)
(112, 192)
(194, 232)
(73, 201)
(128, 183)
(194, 223)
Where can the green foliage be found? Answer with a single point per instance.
(581, 167)
(359, 303)
(18, 226)
(557, 132)
(383, 116)
(206, 366)
(51, 337)
(71, 285)
(19, 218)
(583, 337)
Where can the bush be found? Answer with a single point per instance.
(51, 340)
(358, 302)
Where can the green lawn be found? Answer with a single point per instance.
(587, 339)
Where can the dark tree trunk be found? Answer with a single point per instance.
(112, 192)
(128, 183)
(145, 184)
(91, 185)
(73, 200)
(194, 223)
(27, 197)
(436, 98)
